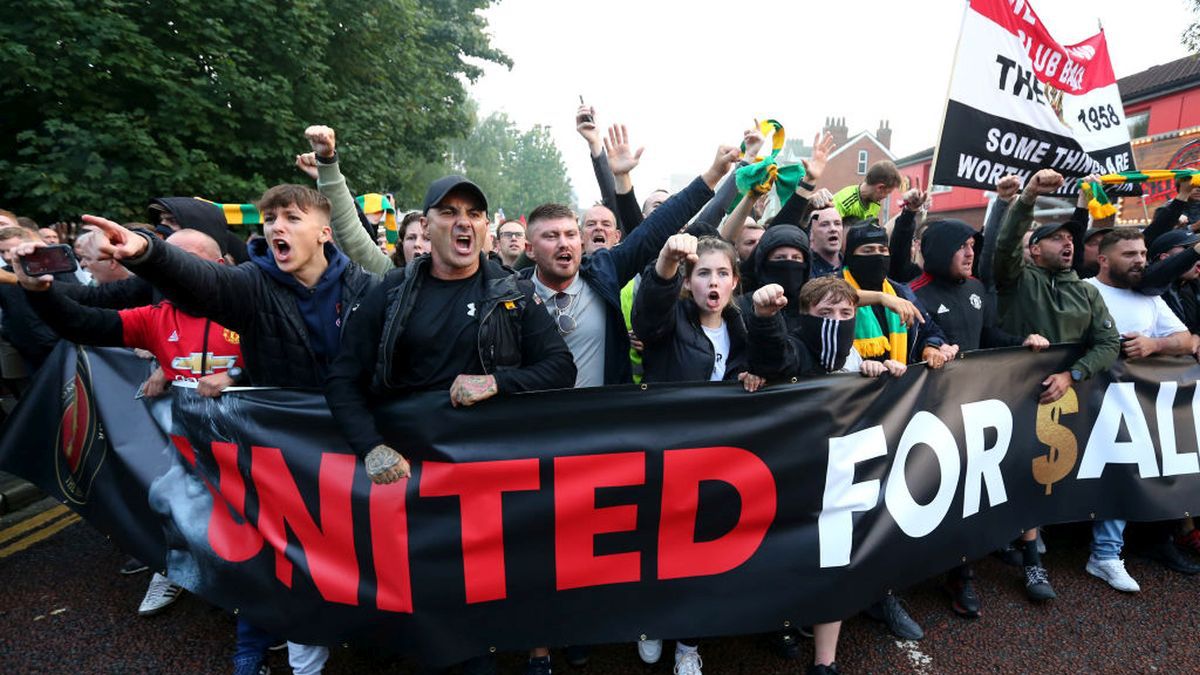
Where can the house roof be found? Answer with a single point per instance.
(863, 134)
(1161, 79)
(915, 158)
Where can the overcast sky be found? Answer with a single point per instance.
(687, 75)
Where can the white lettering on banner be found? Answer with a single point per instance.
(1173, 463)
(1103, 448)
(983, 463)
(985, 170)
(843, 497)
(1011, 144)
(914, 519)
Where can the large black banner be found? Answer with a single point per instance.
(601, 515)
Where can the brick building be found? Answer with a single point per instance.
(848, 164)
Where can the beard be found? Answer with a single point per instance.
(1126, 278)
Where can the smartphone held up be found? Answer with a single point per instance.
(49, 260)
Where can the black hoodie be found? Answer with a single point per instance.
(752, 269)
(206, 217)
(963, 308)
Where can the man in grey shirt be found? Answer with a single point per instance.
(583, 293)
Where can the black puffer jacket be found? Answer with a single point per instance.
(677, 350)
(206, 217)
(517, 342)
(246, 299)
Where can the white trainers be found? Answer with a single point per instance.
(688, 662)
(159, 595)
(650, 650)
(1112, 571)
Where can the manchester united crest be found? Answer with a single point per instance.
(81, 444)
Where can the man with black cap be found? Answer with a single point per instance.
(965, 311)
(1048, 298)
(453, 319)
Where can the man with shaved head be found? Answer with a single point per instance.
(188, 348)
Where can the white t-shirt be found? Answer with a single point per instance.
(719, 337)
(1137, 313)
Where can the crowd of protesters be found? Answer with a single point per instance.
(699, 285)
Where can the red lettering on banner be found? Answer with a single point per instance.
(389, 547)
(233, 541)
(329, 549)
(679, 554)
(577, 520)
(185, 449)
(480, 487)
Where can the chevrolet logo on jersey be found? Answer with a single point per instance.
(193, 362)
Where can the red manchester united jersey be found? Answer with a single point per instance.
(187, 347)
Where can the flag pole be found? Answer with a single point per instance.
(946, 107)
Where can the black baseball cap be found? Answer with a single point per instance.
(1095, 231)
(1045, 231)
(1169, 240)
(441, 187)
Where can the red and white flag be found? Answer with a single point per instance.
(1020, 101)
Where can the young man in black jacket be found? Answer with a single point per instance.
(288, 304)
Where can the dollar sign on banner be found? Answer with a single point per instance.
(1054, 466)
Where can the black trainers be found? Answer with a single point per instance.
(1037, 584)
(963, 599)
(891, 612)
(538, 665)
(787, 643)
(821, 669)
(133, 566)
(1170, 556)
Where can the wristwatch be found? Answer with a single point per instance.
(235, 374)
(806, 185)
(1076, 374)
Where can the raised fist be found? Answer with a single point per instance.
(322, 140)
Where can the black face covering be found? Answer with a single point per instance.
(868, 270)
(791, 274)
(829, 339)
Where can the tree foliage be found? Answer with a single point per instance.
(517, 169)
(1191, 34)
(108, 103)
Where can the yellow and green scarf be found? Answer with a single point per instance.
(764, 173)
(869, 339)
(1099, 205)
(373, 202)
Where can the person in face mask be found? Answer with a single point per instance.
(782, 258)
(965, 311)
(821, 343)
(880, 333)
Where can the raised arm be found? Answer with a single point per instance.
(1006, 190)
(654, 301)
(585, 124)
(222, 293)
(348, 232)
(643, 245)
(903, 231)
(1166, 218)
(1009, 260)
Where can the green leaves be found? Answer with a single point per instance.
(107, 104)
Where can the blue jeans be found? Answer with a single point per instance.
(252, 645)
(1108, 536)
